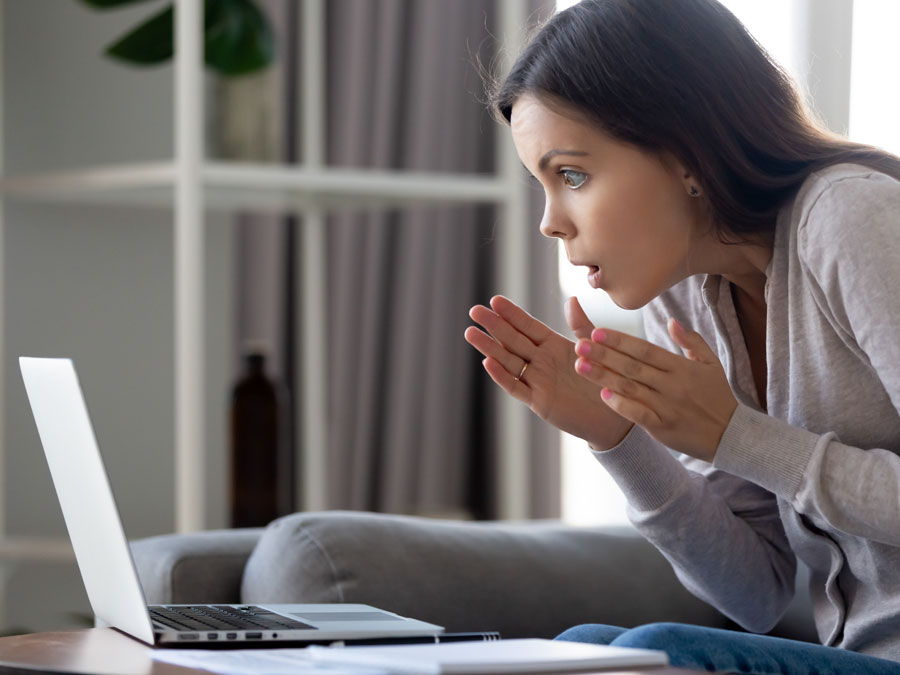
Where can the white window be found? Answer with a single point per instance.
(874, 92)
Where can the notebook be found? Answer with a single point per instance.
(505, 656)
(107, 568)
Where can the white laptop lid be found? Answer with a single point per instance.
(102, 550)
(85, 496)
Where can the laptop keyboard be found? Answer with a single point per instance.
(221, 617)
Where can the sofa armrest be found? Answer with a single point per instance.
(523, 579)
(189, 568)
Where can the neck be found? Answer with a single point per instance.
(751, 291)
(746, 270)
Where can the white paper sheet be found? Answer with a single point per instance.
(284, 661)
(530, 655)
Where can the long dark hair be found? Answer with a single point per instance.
(685, 77)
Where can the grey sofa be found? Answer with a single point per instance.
(530, 579)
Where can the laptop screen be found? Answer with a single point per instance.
(85, 496)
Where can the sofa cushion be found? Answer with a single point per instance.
(531, 579)
(197, 567)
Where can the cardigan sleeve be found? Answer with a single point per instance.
(849, 248)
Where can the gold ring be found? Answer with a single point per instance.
(522, 372)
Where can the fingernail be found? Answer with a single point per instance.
(606, 394)
(583, 366)
(677, 323)
(583, 348)
(599, 335)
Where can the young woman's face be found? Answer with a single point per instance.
(623, 213)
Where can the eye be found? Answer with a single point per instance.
(573, 179)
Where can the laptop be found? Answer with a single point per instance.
(106, 565)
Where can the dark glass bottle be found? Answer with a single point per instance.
(255, 440)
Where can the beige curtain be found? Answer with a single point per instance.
(411, 426)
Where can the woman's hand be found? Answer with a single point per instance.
(549, 384)
(684, 402)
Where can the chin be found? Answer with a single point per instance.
(628, 302)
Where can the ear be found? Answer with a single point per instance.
(690, 182)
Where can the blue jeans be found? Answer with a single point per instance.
(725, 651)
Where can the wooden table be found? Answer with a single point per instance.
(104, 651)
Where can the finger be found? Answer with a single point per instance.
(521, 320)
(578, 321)
(604, 376)
(630, 409)
(500, 329)
(512, 386)
(636, 348)
(622, 364)
(691, 342)
(492, 349)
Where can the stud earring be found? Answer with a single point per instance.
(694, 191)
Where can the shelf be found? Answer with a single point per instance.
(20, 548)
(188, 186)
(231, 186)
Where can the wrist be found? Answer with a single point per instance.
(716, 437)
(597, 446)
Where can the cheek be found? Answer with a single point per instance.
(608, 212)
(642, 218)
(659, 218)
(630, 201)
(651, 238)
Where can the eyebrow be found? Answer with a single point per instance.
(550, 154)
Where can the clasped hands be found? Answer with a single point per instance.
(600, 386)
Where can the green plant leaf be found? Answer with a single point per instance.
(149, 43)
(107, 4)
(238, 37)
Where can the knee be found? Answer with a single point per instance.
(663, 636)
(595, 633)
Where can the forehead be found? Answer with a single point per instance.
(537, 127)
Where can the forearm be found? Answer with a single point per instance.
(842, 487)
(722, 535)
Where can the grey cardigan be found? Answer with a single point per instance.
(818, 476)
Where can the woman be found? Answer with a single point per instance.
(681, 168)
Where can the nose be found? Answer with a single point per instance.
(555, 223)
